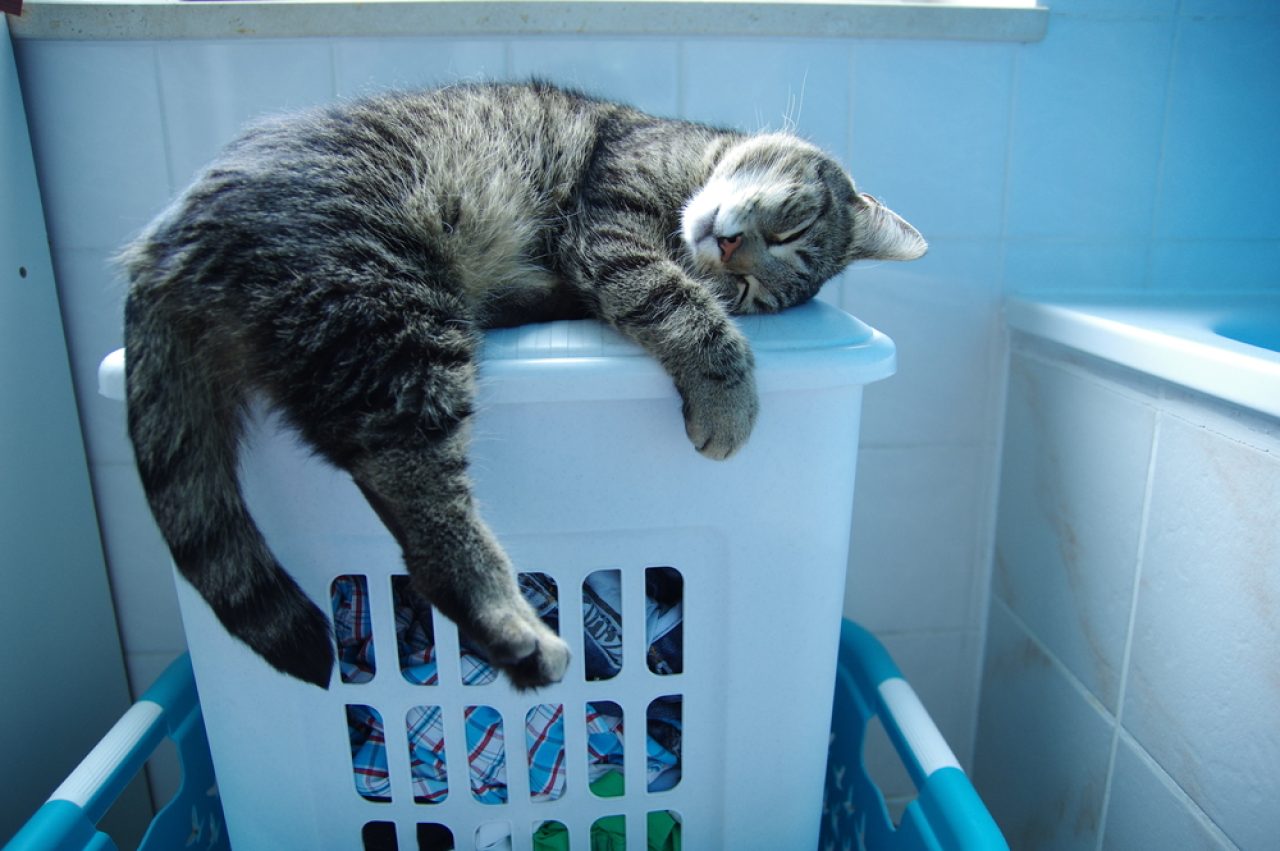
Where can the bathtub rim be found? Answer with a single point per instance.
(1167, 337)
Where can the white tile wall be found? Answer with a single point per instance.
(1067, 542)
(916, 530)
(1204, 679)
(1147, 809)
(1138, 554)
(802, 83)
(941, 311)
(1045, 791)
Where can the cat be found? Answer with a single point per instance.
(344, 262)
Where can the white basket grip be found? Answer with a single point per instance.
(918, 730)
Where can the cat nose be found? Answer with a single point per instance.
(728, 245)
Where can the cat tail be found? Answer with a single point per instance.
(185, 424)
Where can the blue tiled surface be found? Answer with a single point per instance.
(1221, 170)
(1088, 116)
(102, 176)
(930, 129)
(365, 65)
(639, 71)
(805, 81)
(1034, 266)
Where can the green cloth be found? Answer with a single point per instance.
(609, 833)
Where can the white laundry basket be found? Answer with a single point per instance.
(581, 465)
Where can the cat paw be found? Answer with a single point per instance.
(718, 417)
(528, 651)
(545, 665)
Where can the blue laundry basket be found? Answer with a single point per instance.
(192, 819)
(947, 815)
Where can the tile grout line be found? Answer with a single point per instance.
(170, 169)
(1074, 682)
(1180, 795)
(1143, 526)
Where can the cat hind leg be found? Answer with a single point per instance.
(455, 562)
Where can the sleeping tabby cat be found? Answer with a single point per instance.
(344, 263)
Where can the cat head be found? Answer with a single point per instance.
(778, 218)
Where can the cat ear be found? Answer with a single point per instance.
(881, 234)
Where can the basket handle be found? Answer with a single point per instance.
(948, 808)
(170, 708)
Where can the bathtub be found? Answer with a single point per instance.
(1226, 347)
(1136, 575)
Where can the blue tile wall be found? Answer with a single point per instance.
(1085, 146)
(1033, 266)
(102, 174)
(1220, 165)
(209, 91)
(930, 132)
(802, 83)
(365, 65)
(640, 71)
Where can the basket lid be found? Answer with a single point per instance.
(814, 344)
(807, 346)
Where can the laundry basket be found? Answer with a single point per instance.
(714, 731)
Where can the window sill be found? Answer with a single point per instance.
(178, 19)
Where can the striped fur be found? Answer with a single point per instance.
(343, 263)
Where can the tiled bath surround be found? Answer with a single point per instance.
(1130, 696)
(1119, 153)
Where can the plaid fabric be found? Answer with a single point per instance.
(415, 635)
(544, 724)
(354, 629)
(604, 739)
(368, 753)
(544, 742)
(486, 756)
(426, 755)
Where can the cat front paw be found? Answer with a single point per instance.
(719, 415)
(545, 665)
(528, 651)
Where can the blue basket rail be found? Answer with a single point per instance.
(947, 814)
(192, 819)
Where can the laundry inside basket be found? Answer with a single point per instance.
(544, 728)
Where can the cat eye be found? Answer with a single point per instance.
(788, 237)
